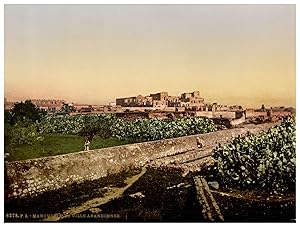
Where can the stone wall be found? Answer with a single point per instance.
(208, 114)
(224, 114)
(141, 109)
(282, 113)
(252, 113)
(238, 121)
(35, 176)
(278, 114)
(216, 114)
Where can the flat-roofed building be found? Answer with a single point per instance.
(162, 100)
(48, 104)
(160, 96)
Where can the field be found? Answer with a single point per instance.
(57, 144)
(61, 135)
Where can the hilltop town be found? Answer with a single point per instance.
(162, 105)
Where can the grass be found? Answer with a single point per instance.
(57, 144)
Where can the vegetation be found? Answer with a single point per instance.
(20, 125)
(140, 129)
(24, 112)
(154, 129)
(266, 161)
(57, 144)
(22, 133)
(43, 134)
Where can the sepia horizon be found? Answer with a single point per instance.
(233, 54)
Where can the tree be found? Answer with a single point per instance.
(100, 127)
(68, 108)
(26, 112)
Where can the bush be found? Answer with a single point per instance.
(266, 161)
(25, 112)
(107, 125)
(97, 126)
(154, 129)
(23, 134)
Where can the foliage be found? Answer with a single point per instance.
(97, 126)
(25, 136)
(25, 112)
(61, 124)
(7, 117)
(68, 109)
(22, 133)
(72, 124)
(154, 129)
(266, 161)
(107, 125)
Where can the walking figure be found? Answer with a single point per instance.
(87, 145)
(199, 143)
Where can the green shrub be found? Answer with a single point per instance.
(154, 129)
(107, 125)
(97, 126)
(25, 112)
(266, 161)
(23, 134)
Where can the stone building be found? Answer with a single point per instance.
(162, 100)
(48, 104)
(193, 99)
(135, 101)
(82, 108)
(160, 96)
(173, 101)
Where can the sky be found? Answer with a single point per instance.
(232, 54)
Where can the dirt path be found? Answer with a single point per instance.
(113, 193)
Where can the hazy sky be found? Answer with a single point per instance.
(233, 54)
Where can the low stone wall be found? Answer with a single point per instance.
(35, 176)
(281, 113)
(225, 114)
(208, 114)
(216, 114)
(238, 121)
(252, 113)
(141, 109)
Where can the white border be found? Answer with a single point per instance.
(150, 2)
(135, 2)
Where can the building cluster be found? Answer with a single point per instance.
(54, 106)
(61, 105)
(161, 100)
(158, 101)
(49, 104)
